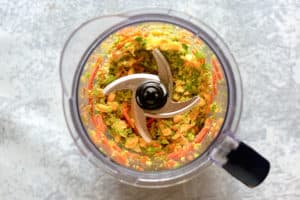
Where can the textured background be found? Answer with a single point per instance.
(38, 159)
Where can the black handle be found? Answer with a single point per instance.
(245, 164)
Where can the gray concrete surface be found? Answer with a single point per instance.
(38, 159)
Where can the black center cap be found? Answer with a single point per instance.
(151, 95)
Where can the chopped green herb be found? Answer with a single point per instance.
(199, 54)
(138, 39)
(185, 47)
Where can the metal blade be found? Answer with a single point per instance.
(140, 121)
(129, 82)
(172, 108)
(164, 70)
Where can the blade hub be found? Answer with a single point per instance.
(151, 95)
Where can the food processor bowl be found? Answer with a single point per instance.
(83, 90)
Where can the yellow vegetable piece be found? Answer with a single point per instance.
(131, 142)
(166, 132)
(103, 108)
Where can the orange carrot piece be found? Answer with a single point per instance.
(125, 110)
(120, 45)
(129, 31)
(144, 159)
(201, 135)
(100, 128)
(99, 124)
(190, 157)
(93, 75)
(214, 84)
(120, 159)
(203, 131)
(139, 168)
(184, 40)
(173, 156)
(178, 154)
(106, 146)
(116, 148)
(111, 97)
(160, 153)
(216, 67)
(96, 139)
(91, 82)
(170, 164)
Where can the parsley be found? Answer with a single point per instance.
(199, 54)
(213, 107)
(206, 66)
(185, 46)
(138, 39)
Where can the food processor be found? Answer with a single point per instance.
(153, 97)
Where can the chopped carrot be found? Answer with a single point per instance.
(111, 97)
(175, 155)
(132, 156)
(177, 118)
(120, 45)
(116, 55)
(208, 122)
(99, 124)
(94, 72)
(184, 41)
(182, 153)
(96, 139)
(129, 32)
(214, 85)
(139, 168)
(216, 67)
(125, 110)
(160, 153)
(116, 148)
(203, 131)
(170, 164)
(155, 144)
(171, 147)
(91, 82)
(121, 159)
(189, 157)
(201, 135)
(144, 159)
(106, 146)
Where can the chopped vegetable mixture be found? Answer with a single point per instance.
(110, 126)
